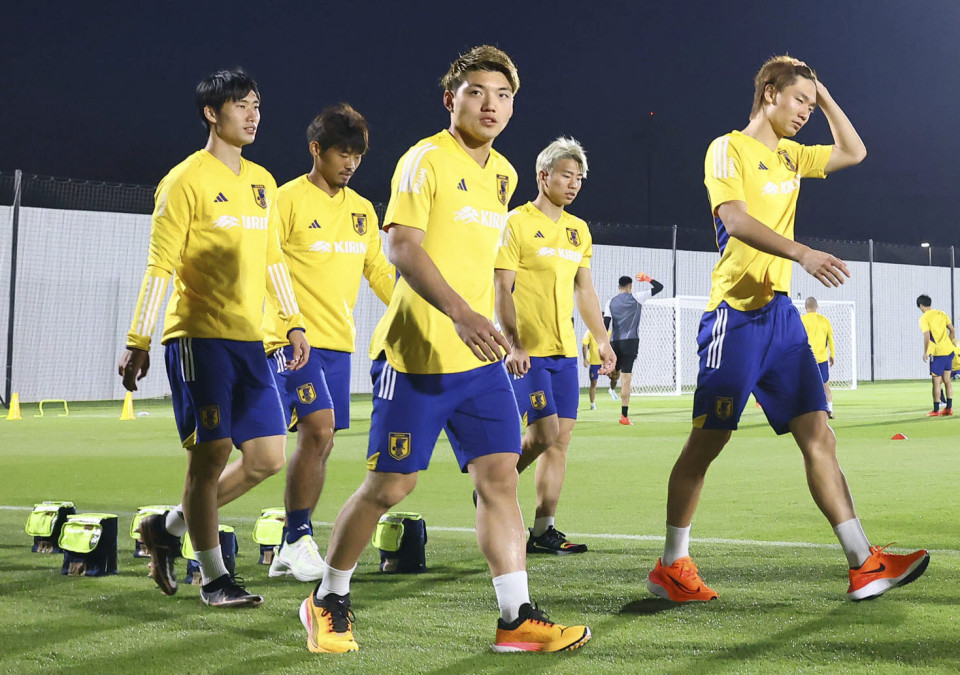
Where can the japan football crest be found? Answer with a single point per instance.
(306, 393)
(399, 447)
(538, 400)
(573, 236)
(724, 407)
(786, 160)
(503, 185)
(260, 195)
(360, 223)
(210, 417)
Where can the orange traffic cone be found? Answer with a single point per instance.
(899, 437)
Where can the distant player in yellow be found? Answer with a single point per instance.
(820, 336)
(215, 232)
(938, 348)
(751, 338)
(542, 267)
(330, 237)
(592, 362)
(437, 360)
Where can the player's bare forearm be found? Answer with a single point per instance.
(505, 307)
(826, 268)
(848, 147)
(588, 304)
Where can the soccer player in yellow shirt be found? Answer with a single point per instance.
(437, 360)
(938, 348)
(751, 337)
(543, 265)
(820, 336)
(591, 361)
(215, 231)
(330, 237)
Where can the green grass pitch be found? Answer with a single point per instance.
(758, 539)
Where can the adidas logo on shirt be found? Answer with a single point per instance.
(462, 185)
(762, 167)
(314, 225)
(538, 235)
(220, 198)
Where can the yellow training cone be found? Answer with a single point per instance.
(127, 413)
(14, 412)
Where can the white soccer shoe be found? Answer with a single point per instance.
(301, 559)
(613, 394)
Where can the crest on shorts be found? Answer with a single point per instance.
(503, 184)
(724, 407)
(360, 223)
(307, 393)
(399, 447)
(786, 160)
(260, 195)
(210, 417)
(573, 236)
(538, 400)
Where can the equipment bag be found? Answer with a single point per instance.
(44, 524)
(268, 532)
(402, 540)
(228, 547)
(139, 551)
(89, 544)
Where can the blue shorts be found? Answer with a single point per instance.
(941, 364)
(550, 387)
(594, 373)
(322, 384)
(764, 352)
(222, 389)
(476, 408)
(824, 371)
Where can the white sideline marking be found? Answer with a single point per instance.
(593, 535)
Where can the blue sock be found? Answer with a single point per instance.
(936, 406)
(950, 403)
(298, 524)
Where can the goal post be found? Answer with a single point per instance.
(667, 362)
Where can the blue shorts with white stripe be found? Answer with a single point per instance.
(222, 389)
(476, 408)
(764, 352)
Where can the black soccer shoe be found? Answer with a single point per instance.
(228, 591)
(553, 541)
(163, 548)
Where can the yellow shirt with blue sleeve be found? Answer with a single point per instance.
(820, 335)
(937, 323)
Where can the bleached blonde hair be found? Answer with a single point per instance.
(562, 148)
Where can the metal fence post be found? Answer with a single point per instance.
(15, 231)
(675, 260)
(872, 355)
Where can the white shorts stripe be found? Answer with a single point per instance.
(186, 359)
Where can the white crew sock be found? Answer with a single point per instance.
(677, 544)
(175, 523)
(335, 581)
(541, 525)
(829, 406)
(211, 565)
(855, 544)
(512, 591)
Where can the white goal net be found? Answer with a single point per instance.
(667, 363)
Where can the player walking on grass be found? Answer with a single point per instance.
(938, 348)
(751, 337)
(590, 351)
(542, 267)
(437, 360)
(215, 231)
(624, 310)
(331, 240)
(820, 336)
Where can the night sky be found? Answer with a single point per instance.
(105, 92)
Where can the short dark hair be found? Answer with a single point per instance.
(925, 301)
(339, 126)
(222, 87)
(625, 281)
(483, 58)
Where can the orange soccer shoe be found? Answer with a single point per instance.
(883, 571)
(946, 412)
(934, 413)
(533, 631)
(680, 582)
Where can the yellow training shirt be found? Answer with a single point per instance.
(819, 335)
(546, 256)
(329, 243)
(217, 233)
(593, 349)
(937, 323)
(462, 207)
(741, 168)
